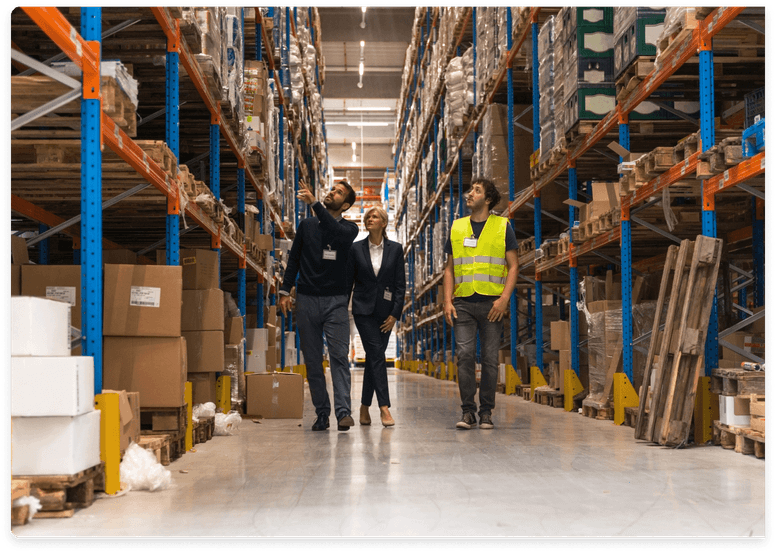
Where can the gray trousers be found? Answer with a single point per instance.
(316, 316)
(473, 316)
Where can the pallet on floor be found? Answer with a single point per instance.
(553, 398)
(524, 392)
(203, 429)
(19, 489)
(597, 410)
(61, 495)
(741, 439)
(163, 420)
(631, 414)
(737, 382)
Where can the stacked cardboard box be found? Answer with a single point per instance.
(547, 88)
(143, 350)
(55, 428)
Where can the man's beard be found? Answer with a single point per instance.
(330, 203)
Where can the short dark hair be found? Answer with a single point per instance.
(492, 195)
(351, 198)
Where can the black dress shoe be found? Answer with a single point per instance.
(345, 423)
(321, 423)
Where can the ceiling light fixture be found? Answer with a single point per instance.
(366, 108)
(361, 67)
(363, 16)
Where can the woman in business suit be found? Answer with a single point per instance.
(376, 273)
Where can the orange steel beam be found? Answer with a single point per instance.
(58, 28)
(735, 175)
(739, 235)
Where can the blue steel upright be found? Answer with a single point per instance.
(91, 204)
(513, 322)
(573, 278)
(626, 263)
(709, 214)
(43, 246)
(758, 251)
(215, 169)
(172, 137)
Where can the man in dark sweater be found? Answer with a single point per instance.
(319, 256)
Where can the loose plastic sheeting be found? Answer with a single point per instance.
(139, 470)
(30, 500)
(227, 424)
(203, 410)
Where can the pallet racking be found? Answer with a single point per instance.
(731, 33)
(197, 122)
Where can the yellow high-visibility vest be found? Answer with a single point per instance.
(482, 269)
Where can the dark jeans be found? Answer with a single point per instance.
(473, 316)
(315, 316)
(375, 371)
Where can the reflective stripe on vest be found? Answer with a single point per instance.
(483, 269)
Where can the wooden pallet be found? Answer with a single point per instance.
(737, 382)
(680, 361)
(203, 429)
(61, 495)
(19, 489)
(631, 415)
(631, 78)
(525, 392)
(166, 447)
(719, 158)
(597, 410)
(741, 439)
(553, 398)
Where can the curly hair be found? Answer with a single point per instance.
(492, 195)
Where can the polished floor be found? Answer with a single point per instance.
(541, 472)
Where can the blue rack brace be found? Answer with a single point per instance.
(91, 198)
(537, 197)
(573, 278)
(513, 323)
(172, 138)
(626, 258)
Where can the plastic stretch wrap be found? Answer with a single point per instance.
(140, 470)
(674, 21)
(227, 424)
(203, 410)
(237, 373)
(32, 501)
(605, 336)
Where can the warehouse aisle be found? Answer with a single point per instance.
(540, 472)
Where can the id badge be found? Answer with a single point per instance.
(330, 255)
(470, 242)
(387, 295)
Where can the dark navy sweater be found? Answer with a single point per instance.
(314, 236)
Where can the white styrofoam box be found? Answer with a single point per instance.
(255, 340)
(256, 362)
(39, 327)
(52, 386)
(54, 445)
(734, 411)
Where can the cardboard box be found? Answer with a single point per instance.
(203, 387)
(119, 257)
(275, 396)
(251, 321)
(19, 252)
(231, 356)
(58, 282)
(202, 310)
(200, 268)
(746, 341)
(273, 359)
(129, 417)
(560, 335)
(55, 445)
(233, 330)
(52, 386)
(270, 315)
(154, 367)
(272, 335)
(39, 327)
(256, 362)
(256, 340)
(205, 350)
(142, 300)
(264, 242)
(16, 280)
(734, 410)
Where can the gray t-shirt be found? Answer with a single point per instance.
(477, 226)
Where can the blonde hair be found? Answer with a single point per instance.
(381, 213)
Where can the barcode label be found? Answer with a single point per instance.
(144, 296)
(61, 293)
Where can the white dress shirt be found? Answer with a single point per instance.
(376, 255)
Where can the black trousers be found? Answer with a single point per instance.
(375, 371)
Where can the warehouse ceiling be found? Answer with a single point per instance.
(386, 35)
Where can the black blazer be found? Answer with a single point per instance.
(369, 289)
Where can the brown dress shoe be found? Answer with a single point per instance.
(385, 417)
(364, 417)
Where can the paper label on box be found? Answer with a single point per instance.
(593, 15)
(61, 293)
(144, 296)
(189, 261)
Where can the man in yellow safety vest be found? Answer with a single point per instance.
(480, 275)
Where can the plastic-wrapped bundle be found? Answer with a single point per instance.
(674, 21)
(227, 424)
(236, 372)
(140, 470)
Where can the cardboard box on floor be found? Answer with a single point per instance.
(142, 300)
(200, 268)
(153, 367)
(202, 310)
(56, 282)
(205, 350)
(275, 395)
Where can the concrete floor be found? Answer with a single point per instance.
(541, 472)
